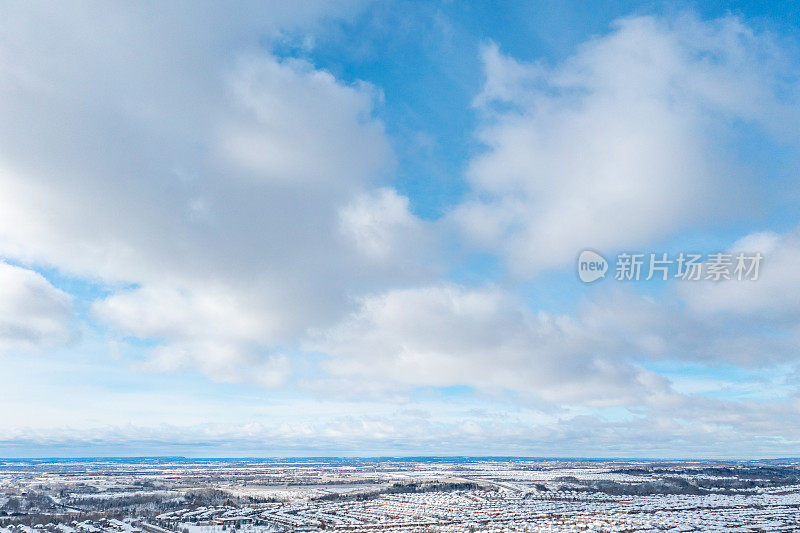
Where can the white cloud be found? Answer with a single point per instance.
(177, 156)
(167, 313)
(382, 228)
(717, 429)
(227, 362)
(772, 298)
(628, 140)
(670, 328)
(448, 335)
(34, 315)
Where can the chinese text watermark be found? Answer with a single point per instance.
(718, 266)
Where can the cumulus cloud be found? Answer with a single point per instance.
(34, 315)
(628, 140)
(224, 186)
(598, 355)
(449, 335)
(773, 297)
(383, 232)
(671, 328)
(226, 362)
(747, 322)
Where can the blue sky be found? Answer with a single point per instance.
(352, 228)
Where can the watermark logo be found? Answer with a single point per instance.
(631, 266)
(591, 266)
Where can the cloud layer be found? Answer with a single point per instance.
(237, 212)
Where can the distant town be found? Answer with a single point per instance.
(415, 495)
